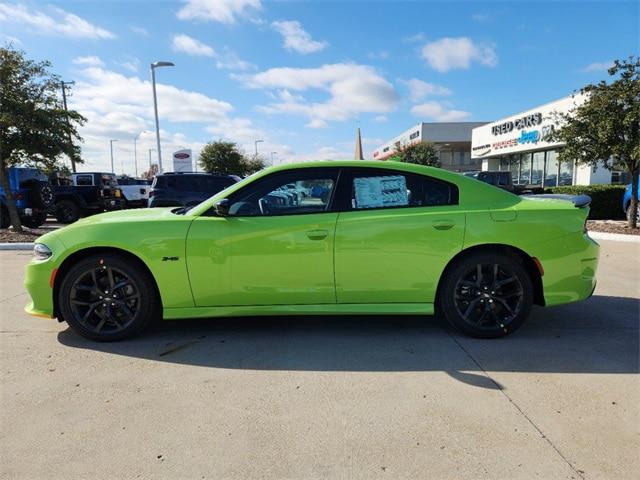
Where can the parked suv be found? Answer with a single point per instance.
(135, 191)
(187, 189)
(84, 194)
(32, 193)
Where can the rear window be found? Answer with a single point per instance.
(84, 180)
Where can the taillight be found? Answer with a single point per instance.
(151, 193)
(17, 196)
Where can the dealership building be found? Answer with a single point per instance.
(451, 139)
(521, 143)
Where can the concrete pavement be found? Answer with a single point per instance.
(338, 397)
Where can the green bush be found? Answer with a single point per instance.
(606, 200)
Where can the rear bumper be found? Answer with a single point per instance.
(570, 264)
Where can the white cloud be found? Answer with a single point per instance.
(419, 89)
(352, 89)
(130, 63)
(597, 67)
(480, 17)
(191, 46)
(139, 30)
(89, 61)
(380, 119)
(62, 23)
(418, 37)
(458, 53)
(439, 112)
(379, 55)
(229, 60)
(223, 11)
(297, 38)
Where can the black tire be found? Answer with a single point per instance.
(108, 298)
(628, 213)
(67, 211)
(489, 304)
(42, 194)
(5, 221)
(35, 220)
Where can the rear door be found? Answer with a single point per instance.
(395, 234)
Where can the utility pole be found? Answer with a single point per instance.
(155, 65)
(256, 145)
(113, 170)
(64, 102)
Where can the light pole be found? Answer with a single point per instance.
(272, 154)
(256, 145)
(155, 65)
(64, 102)
(135, 151)
(111, 147)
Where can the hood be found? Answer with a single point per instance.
(126, 216)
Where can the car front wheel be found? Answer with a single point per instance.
(486, 295)
(107, 298)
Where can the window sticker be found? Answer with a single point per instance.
(373, 192)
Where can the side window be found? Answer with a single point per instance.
(291, 193)
(389, 189)
(84, 180)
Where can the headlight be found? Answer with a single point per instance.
(41, 251)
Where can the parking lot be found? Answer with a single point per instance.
(343, 397)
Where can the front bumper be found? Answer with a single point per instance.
(38, 280)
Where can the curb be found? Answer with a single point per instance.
(615, 237)
(16, 246)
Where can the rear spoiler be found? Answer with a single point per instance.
(579, 201)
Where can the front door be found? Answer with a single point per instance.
(274, 248)
(395, 235)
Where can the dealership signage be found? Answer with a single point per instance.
(182, 161)
(524, 132)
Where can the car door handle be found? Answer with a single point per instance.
(443, 224)
(317, 234)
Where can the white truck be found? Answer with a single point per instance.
(135, 191)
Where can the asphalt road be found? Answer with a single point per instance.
(341, 397)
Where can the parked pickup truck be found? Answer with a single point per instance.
(135, 191)
(84, 194)
(502, 179)
(32, 193)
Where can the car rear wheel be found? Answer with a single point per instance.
(486, 295)
(67, 211)
(107, 298)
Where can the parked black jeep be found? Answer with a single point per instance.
(187, 189)
(84, 194)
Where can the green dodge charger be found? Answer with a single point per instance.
(321, 238)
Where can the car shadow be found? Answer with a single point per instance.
(599, 335)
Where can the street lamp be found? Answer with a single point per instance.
(64, 102)
(155, 65)
(272, 154)
(111, 148)
(256, 145)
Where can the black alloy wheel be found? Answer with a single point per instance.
(486, 295)
(107, 298)
(67, 211)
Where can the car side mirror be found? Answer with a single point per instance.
(222, 207)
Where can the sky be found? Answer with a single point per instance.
(303, 75)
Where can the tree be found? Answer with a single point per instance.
(34, 127)
(606, 127)
(226, 158)
(421, 153)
